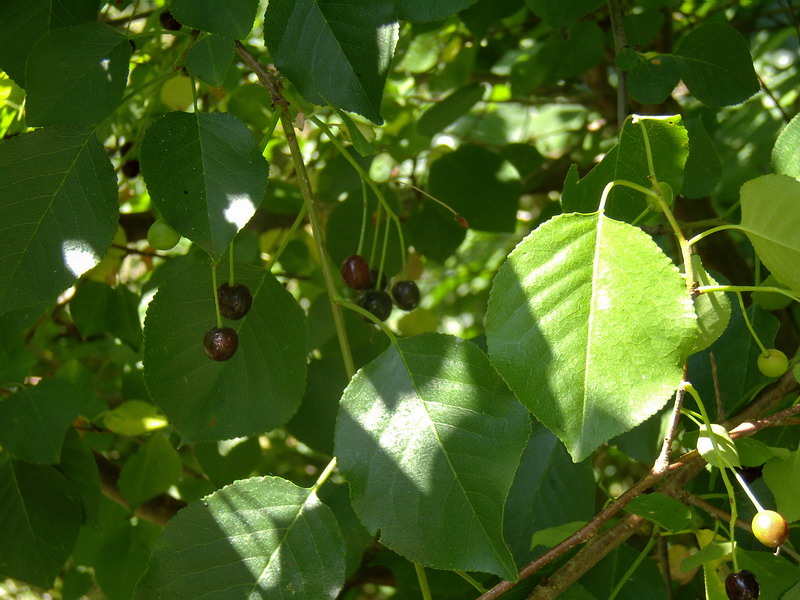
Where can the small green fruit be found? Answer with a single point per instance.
(773, 364)
(161, 236)
(770, 528)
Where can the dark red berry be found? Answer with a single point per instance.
(741, 586)
(234, 302)
(406, 295)
(355, 272)
(220, 343)
(130, 168)
(462, 221)
(378, 303)
(373, 280)
(125, 148)
(169, 22)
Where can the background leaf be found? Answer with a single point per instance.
(713, 310)
(559, 328)
(422, 10)
(786, 151)
(257, 538)
(151, 471)
(716, 65)
(39, 522)
(34, 420)
(258, 389)
(703, 169)
(782, 475)
(771, 219)
(63, 215)
(334, 51)
(627, 160)
(652, 80)
(76, 75)
(205, 175)
(441, 114)
(431, 409)
(560, 15)
(233, 18)
(210, 58)
(97, 309)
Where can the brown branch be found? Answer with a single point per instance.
(158, 510)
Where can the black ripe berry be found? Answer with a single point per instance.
(406, 294)
(373, 280)
(169, 22)
(741, 586)
(220, 343)
(125, 148)
(355, 272)
(130, 168)
(234, 301)
(378, 303)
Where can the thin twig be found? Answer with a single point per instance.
(615, 13)
(717, 390)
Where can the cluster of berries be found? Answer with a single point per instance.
(357, 275)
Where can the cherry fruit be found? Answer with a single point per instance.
(234, 301)
(770, 528)
(406, 295)
(220, 343)
(742, 585)
(131, 168)
(355, 272)
(773, 364)
(373, 280)
(161, 236)
(378, 303)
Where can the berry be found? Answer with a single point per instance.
(770, 528)
(234, 302)
(125, 148)
(773, 364)
(378, 303)
(161, 236)
(130, 168)
(169, 22)
(741, 586)
(406, 295)
(355, 272)
(373, 280)
(220, 343)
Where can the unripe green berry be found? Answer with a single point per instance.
(161, 236)
(770, 528)
(773, 364)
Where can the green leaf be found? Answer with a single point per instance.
(150, 471)
(562, 14)
(545, 472)
(786, 151)
(771, 300)
(717, 448)
(716, 65)
(645, 582)
(775, 574)
(210, 58)
(436, 118)
(662, 510)
(703, 169)
(335, 51)
(714, 550)
(360, 143)
(552, 536)
(753, 453)
(24, 22)
(76, 76)
(713, 310)
(771, 219)
(15, 359)
(433, 231)
(225, 462)
(356, 537)
(233, 18)
(259, 538)
(652, 80)
(134, 417)
(80, 467)
(97, 308)
(258, 389)
(39, 522)
(205, 174)
(559, 327)
(34, 421)
(430, 420)
(479, 185)
(782, 476)
(627, 160)
(418, 11)
(59, 212)
(122, 555)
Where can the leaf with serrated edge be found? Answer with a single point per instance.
(589, 323)
(771, 219)
(430, 421)
(713, 309)
(259, 538)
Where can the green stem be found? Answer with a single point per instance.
(364, 203)
(368, 315)
(231, 279)
(423, 581)
(472, 581)
(323, 477)
(273, 123)
(635, 565)
(706, 289)
(216, 296)
(708, 232)
(747, 491)
(286, 238)
(750, 325)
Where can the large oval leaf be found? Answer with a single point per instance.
(205, 174)
(258, 389)
(771, 219)
(589, 323)
(259, 538)
(233, 18)
(58, 212)
(431, 421)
